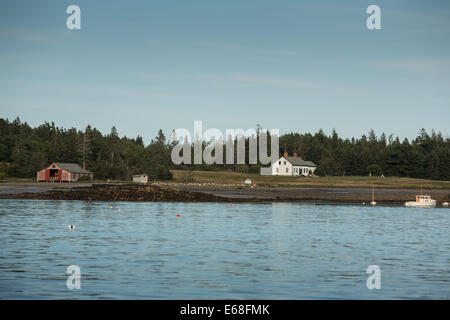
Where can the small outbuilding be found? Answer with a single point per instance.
(63, 172)
(140, 178)
(247, 181)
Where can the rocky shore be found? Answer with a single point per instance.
(109, 192)
(171, 192)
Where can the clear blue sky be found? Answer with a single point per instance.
(291, 65)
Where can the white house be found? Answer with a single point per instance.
(290, 166)
(140, 178)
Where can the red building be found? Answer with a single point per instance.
(63, 172)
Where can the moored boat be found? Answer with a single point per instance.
(373, 202)
(422, 201)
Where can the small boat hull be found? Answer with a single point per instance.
(414, 204)
(422, 201)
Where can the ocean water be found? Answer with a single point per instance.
(128, 250)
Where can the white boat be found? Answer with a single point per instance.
(422, 201)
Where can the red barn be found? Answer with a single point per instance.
(63, 172)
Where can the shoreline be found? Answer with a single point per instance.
(170, 192)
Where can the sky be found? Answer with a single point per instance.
(296, 66)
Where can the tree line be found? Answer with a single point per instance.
(25, 150)
(427, 156)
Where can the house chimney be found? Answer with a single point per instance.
(84, 164)
(285, 154)
(295, 154)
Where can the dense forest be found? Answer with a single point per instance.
(25, 150)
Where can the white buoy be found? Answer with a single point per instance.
(373, 203)
(71, 226)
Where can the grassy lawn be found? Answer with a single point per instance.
(222, 177)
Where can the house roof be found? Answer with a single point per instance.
(297, 161)
(72, 167)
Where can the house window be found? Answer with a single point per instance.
(287, 169)
(277, 170)
(279, 162)
(285, 163)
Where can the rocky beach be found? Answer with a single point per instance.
(185, 192)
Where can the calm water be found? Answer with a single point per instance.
(221, 251)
